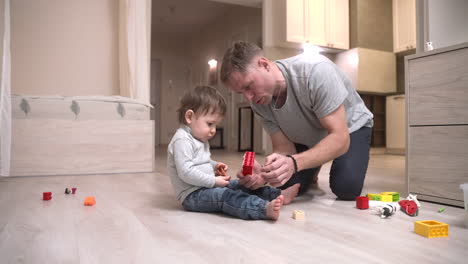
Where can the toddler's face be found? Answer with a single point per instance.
(203, 126)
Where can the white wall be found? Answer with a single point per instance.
(64, 47)
(447, 22)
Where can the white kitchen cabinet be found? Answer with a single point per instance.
(404, 25)
(289, 23)
(320, 22)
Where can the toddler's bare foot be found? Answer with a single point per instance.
(290, 193)
(273, 208)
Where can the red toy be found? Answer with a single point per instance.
(247, 165)
(46, 196)
(409, 207)
(73, 190)
(362, 202)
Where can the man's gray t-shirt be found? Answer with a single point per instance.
(315, 88)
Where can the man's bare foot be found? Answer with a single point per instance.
(273, 208)
(290, 193)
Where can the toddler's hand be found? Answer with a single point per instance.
(222, 181)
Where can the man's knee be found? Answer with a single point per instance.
(346, 190)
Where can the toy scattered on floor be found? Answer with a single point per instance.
(384, 196)
(413, 197)
(388, 210)
(298, 215)
(395, 196)
(362, 202)
(374, 197)
(46, 196)
(248, 163)
(89, 201)
(431, 228)
(441, 210)
(73, 190)
(67, 191)
(409, 207)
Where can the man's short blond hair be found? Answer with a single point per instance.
(237, 58)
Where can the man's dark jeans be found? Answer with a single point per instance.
(347, 172)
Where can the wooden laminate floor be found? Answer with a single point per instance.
(137, 220)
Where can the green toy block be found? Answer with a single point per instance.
(395, 196)
(374, 197)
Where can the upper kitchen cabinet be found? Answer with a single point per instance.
(320, 22)
(289, 23)
(404, 25)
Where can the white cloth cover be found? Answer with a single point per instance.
(134, 48)
(5, 98)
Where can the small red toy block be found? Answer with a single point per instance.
(362, 202)
(248, 163)
(46, 196)
(409, 207)
(73, 190)
(89, 201)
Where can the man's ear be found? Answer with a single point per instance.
(189, 116)
(263, 63)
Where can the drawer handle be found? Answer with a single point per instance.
(398, 98)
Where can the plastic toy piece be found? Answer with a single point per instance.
(388, 210)
(298, 215)
(89, 201)
(413, 197)
(441, 210)
(395, 196)
(374, 197)
(409, 207)
(67, 191)
(386, 198)
(220, 170)
(431, 228)
(46, 196)
(73, 190)
(248, 163)
(362, 202)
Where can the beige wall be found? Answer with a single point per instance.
(2, 24)
(64, 47)
(184, 62)
(172, 51)
(240, 23)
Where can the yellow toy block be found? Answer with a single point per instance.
(395, 195)
(431, 228)
(298, 215)
(386, 198)
(374, 197)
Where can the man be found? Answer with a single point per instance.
(312, 114)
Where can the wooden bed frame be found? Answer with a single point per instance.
(71, 147)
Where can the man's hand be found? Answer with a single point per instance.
(253, 181)
(222, 181)
(277, 170)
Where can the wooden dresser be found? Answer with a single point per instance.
(437, 131)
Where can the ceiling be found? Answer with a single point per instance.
(183, 16)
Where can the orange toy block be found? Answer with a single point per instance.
(89, 201)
